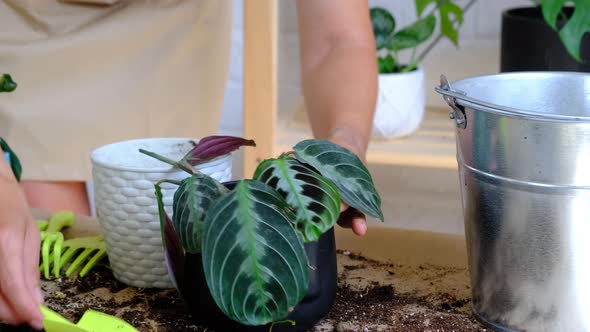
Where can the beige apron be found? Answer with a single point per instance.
(92, 74)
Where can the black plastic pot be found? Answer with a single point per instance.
(529, 44)
(317, 303)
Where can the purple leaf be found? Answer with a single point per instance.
(214, 146)
(174, 253)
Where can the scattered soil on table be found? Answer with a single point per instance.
(372, 296)
(377, 296)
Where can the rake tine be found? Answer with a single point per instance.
(67, 256)
(92, 262)
(79, 261)
(55, 242)
(57, 250)
(45, 255)
(52, 242)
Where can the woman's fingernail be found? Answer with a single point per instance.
(359, 227)
(39, 296)
(37, 325)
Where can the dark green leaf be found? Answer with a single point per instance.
(314, 198)
(383, 25)
(421, 5)
(446, 9)
(386, 64)
(576, 27)
(413, 35)
(253, 259)
(6, 83)
(15, 164)
(191, 202)
(346, 170)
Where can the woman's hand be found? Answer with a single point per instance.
(20, 294)
(351, 217)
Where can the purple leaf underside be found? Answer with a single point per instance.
(214, 146)
(174, 252)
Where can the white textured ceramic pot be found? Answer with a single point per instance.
(127, 208)
(400, 104)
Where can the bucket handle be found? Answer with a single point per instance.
(450, 96)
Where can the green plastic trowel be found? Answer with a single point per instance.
(91, 321)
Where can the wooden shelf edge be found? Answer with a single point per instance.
(401, 159)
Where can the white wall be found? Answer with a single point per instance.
(231, 117)
(478, 53)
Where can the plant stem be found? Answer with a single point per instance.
(440, 35)
(178, 183)
(168, 161)
(287, 154)
(412, 64)
(272, 325)
(562, 16)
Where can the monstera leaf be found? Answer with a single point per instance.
(446, 10)
(254, 261)
(345, 169)
(314, 198)
(576, 27)
(192, 199)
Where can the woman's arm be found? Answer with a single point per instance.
(339, 70)
(339, 73)
(20, 294)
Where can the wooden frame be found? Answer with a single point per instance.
(260, 80)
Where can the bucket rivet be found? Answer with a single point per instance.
(452, 115)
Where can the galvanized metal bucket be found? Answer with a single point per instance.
(523, 149)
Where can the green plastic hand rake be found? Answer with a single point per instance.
(52, 238)
(89, 245)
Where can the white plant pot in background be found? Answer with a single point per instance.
(127, 207)
(400, 104)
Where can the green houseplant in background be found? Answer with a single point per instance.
(248, 254)
(576, 25)
(8, 85)
(400, 105)
(549, 35)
